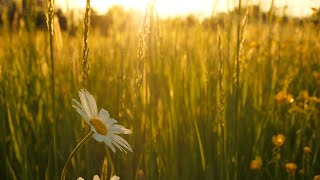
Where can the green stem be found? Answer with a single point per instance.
(51, 32)
(83, 142)
(237, 93)
(85, 50)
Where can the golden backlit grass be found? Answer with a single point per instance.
(161, 80)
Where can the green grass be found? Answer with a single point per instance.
(161, 79)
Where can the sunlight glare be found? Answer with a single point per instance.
(167, 8)
(101, 6)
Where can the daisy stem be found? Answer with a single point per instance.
(82, 142)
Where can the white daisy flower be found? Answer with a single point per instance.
(104, 128)
(96, 177)
(115, 178)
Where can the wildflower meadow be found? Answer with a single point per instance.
(132, 94)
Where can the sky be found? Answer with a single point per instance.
(167, 8)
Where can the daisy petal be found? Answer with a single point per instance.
(118, 129)
(78, 104)
(87, 98)
(117, 145)
(96, 177)
(111, 121)
(107, 141)
(104, 116)
(121, 141)
(82, 113)
(84, 102)
(98, 137)
(115, 177)
(93, 129)
(93, 105)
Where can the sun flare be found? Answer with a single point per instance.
(163, 7)
(102, 6)
(167, 8)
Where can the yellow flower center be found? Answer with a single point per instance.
(99, 126)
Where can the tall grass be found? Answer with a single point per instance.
(200, 100)
(85, 49)
(50, 24)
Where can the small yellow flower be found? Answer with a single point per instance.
(256, 164)
(290, 98)
(304, 94)
(316, 177)
(307, 150)
(280, 97)
(316, 75)
(283, 96)
(315, 99)
(278, 140)
(291, 167)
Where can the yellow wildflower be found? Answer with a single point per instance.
(282, 96)
(307, 150)
(316, 75)
(291, 167)
(316, 177)
(256, 164)
(304, 94)
(278, 140)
